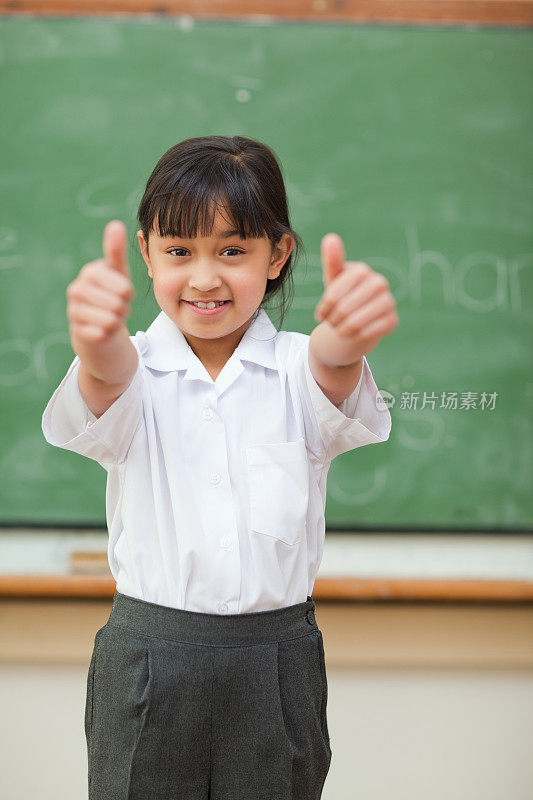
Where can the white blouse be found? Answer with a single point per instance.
(216, 490)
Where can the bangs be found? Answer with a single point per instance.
(188, 208)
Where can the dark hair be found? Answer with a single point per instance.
(243, 176)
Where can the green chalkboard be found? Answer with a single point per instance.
(414, 144)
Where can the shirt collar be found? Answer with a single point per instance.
(165, 348)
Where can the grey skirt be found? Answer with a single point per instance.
(184, 705)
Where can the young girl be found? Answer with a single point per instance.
(216, 431)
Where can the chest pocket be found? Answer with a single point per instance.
(278, 477)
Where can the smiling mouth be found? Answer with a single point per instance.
(207, 304)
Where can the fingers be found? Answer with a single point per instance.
(88, 334)
(98, 302)
(380, 327)
(333, 257)
(85, 314)
(114, 245)
(117, 302)
(353, 274)
(98, 298)
(97, 274)
(352, 292)
(357, 322)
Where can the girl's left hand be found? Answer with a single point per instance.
(357, 303)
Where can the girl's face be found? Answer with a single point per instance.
(220, 267)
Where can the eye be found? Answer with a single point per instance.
(183, 250)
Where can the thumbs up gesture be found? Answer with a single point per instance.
(98, 299)
(356, 303)
(114, 244)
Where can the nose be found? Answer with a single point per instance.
(204, 277)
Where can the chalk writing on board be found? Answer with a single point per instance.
(449, 281)
(87, 198)
(421, 433)
(9, 240)
(354, 495)
(23, 361)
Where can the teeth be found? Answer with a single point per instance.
(208, 305)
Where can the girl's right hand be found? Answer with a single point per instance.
(98, 299)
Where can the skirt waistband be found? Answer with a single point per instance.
(256, 627)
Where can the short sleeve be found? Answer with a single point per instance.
(362, 418)
(67, 421)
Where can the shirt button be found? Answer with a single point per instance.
(207, 413)
(214, 477)
(224, 541)
(222, 607)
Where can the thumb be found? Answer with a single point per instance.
(114, 245)
(333, 257)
